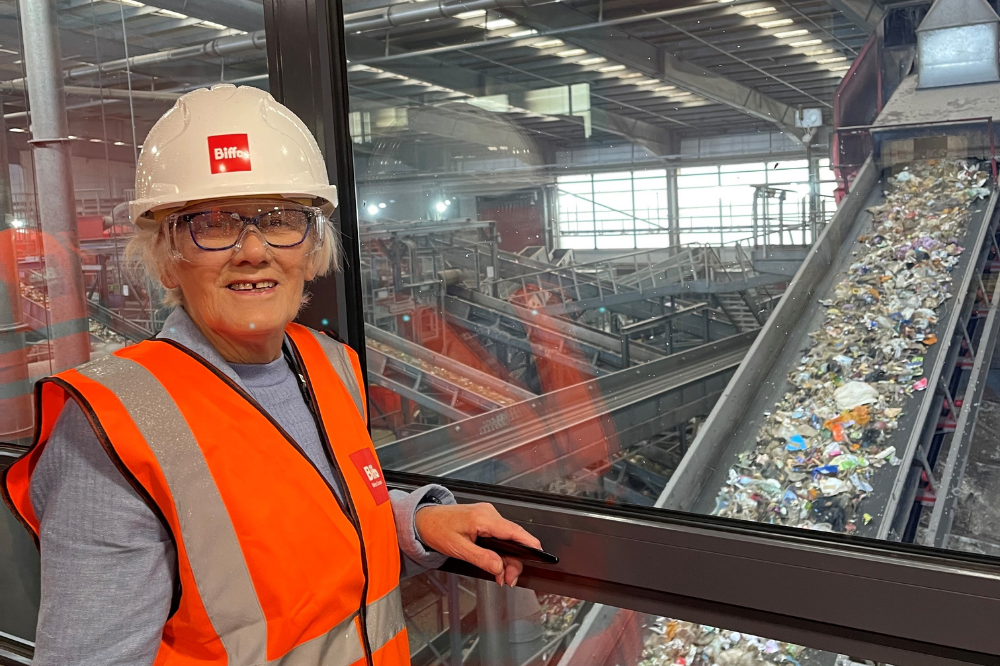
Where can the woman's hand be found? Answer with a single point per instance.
(453, 530)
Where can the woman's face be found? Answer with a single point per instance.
(247, 293)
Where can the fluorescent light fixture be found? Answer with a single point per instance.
(776, 23)
(805, 42)
(372, 209)
(72, 137)
(358, 67)
(591, 61)
(213, 25)
(762, 11)
(791, 33)
(18, 129)
(548, 43)
(839, 68)
(17, 224)
(725, 2)
(523, 33)
(611, 68)
(475, 13)
(818, 52)
(500, 24)
(630, 75)
(441, 207)
(119, 143)
(95, 141)
(569, 53)
(681, 93)
(827, 61)
(130, 3)
(645, 82)
(171, 13)
(664, 89)
(381, 205)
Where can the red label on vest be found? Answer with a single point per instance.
(371, 474)
(229, 152)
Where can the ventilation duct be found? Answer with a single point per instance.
(958, 43)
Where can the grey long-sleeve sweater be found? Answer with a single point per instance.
(107, 561)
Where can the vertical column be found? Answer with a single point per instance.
(494, 626)
(16, 417)
(814, 203)
(673, 208)
(69, 330)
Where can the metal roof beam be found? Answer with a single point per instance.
(648, 58)
(866, 15)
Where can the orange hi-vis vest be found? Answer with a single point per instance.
(273, 569)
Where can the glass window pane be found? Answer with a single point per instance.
(588, 201)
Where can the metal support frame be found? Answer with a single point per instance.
(308, 73)
(881, 601)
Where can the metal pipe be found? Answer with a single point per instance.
(454, 621)
(68, 327)
(494, 627)
(17, 85)
(16, 414)
(221, 46)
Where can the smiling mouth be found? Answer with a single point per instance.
(252, 286)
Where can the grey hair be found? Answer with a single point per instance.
(148, 256)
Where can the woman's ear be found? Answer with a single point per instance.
(167, 276)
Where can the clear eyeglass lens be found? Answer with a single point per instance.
(218, 229)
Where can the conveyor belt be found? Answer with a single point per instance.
(533, 443)
(574, 344)
(433, 380)
(761, 380)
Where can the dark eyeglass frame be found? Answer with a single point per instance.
(310, 212)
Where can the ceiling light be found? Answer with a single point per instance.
(807, 42)
(611, 68)
(645, 82)
(523, 33)
(763, 11)
(72, 137)
(827, 61)
(171, 14)
(629, 75)
(791, 33)
(475, 13)
(819, 52)
(664, 88)
(777, 23)
(569, 53)
(213, 25)
(548, 43)
(372, 209)
(726, 2)
(18, 129)
(130, 3)
(591, 61)
(95, 141)
(119, 143)
(500, 24)
(839, 68)
(680, 93)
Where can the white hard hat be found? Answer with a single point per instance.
(226, 142)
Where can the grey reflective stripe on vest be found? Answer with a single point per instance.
(209, 538)
(214, 553)
(341, 362)
(385, 619)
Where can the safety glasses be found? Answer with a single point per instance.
(223, 225)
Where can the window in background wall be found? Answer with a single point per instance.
(619, 210)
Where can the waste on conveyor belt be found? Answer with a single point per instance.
(447, 375)
(817, 450)
(669, 642)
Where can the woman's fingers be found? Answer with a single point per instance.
(491, 523)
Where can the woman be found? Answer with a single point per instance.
(212, 495)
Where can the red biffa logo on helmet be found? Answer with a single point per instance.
(229, 152)
(371, 474)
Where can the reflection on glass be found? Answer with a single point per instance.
(567, 254)
(122, 72)
(501, 627)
